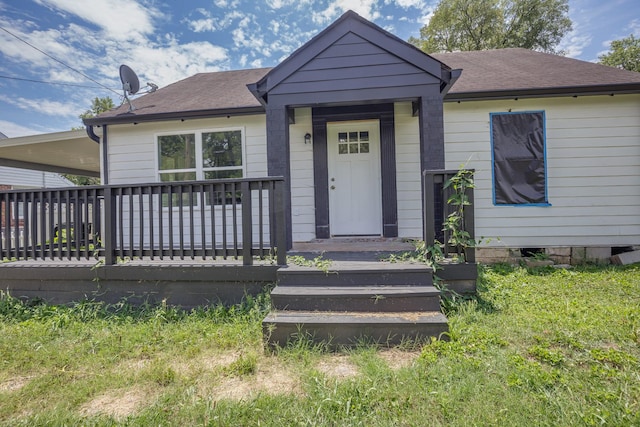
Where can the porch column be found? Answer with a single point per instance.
(431, 121)
(278, 157)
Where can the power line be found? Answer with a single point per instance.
(48, 83)
(58, 61)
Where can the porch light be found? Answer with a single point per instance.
(307, 138)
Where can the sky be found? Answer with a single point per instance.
(57, 55)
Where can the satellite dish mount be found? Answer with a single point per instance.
(131, 85)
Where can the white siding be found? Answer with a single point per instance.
(25, 178)
(593, 171)
(407, 133)
(302, 185)
(132, 148)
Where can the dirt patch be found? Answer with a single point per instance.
(397, 359)
(118, 404)
(338, 366)
(14, 384)
(133, 365)
(205, 362)
(270, 377)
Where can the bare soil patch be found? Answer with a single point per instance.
(118, 404)
(14, 384)
(338, 366)
(397, 359)
(271, 377)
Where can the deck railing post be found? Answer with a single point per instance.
(281, 228)
(109, 226)
(429, 209)
(470, 223)
(247, 225)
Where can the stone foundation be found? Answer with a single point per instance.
(559, 255)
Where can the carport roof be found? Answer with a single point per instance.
(70, 152)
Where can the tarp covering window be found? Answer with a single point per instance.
(517, 141)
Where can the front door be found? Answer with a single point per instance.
(355, 193)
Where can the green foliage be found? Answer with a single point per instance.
(454, 223)
(495, 24)
(98, 105)
(623, 53)
(559, 348)
(318, 262)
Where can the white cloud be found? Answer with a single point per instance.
(211, 23)
(201, 25)
(406, 4)
(366, 8)
(634, 27)
(13, 130)
(120, 19)
(574, 43)
(43, 106)
(224, 4)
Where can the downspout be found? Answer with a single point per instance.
(94, 137)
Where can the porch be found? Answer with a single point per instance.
(196, 243)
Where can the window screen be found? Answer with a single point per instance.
(519, 171)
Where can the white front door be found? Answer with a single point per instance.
(355, 193)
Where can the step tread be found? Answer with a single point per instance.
(355, 267)
(350, 290)
(330, 317)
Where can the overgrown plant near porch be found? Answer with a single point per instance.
(454, 223)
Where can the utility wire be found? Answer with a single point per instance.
(48, 83)
(58, 61)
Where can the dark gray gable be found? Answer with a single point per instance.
(352, 54)
(352, 63)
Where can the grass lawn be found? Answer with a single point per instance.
(535, 348)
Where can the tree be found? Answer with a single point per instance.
(623, 53)
(495, 24)
(98, 105)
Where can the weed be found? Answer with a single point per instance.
(318, 262)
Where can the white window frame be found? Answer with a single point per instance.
(200, 169)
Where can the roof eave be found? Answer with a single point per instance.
(617, 89)
(128, 118)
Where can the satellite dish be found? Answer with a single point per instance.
(130, 83)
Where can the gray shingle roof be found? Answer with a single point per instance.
(496, 73)
(486, 74)
(203, 94)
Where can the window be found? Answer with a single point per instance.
(518, 155)
(201, 155)
(353, 142)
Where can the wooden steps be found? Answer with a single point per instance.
(380, 302)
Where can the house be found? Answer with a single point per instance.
(353, 117)
(209, 182)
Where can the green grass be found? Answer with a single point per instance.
(536, 347)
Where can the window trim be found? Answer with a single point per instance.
(546, 203)
(199, 169)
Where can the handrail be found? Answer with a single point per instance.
(209, 219)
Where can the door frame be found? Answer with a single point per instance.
(385, 114)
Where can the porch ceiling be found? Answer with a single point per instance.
(62, 152)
